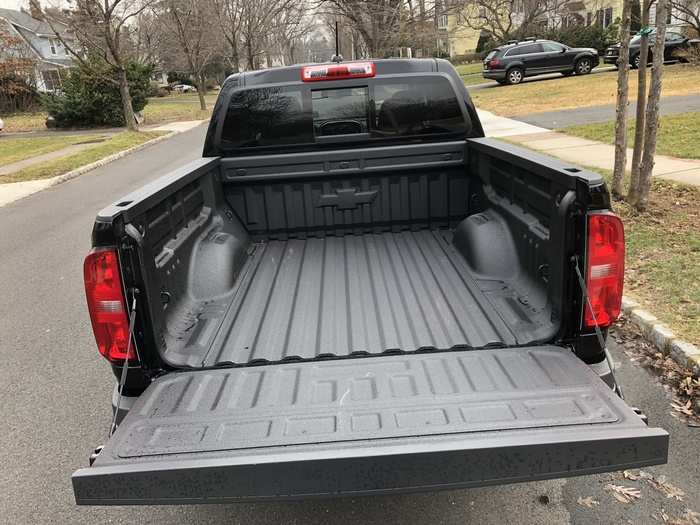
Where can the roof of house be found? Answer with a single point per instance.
(26, 21)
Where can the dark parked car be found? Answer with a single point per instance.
(674, 42)
(510, 63)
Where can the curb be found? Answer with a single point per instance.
(106, 160)
(682, 352)
(37, 185)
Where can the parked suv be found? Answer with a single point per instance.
(674, 42)
(510, 63)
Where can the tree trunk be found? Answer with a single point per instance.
(201, 91)
(623, 64)
(652, 115)
(127, 108)
(641, 106)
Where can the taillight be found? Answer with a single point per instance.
(338, 71)
(494, 63)
(605, 269)
(105, 298)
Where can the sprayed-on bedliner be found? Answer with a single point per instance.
(356, 294)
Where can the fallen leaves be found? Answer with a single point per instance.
(682, 384)
(666, 488)
(588, 501)
(624, 494)
(689, 517)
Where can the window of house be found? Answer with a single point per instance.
(589, 18)
(607, 17)
(51, 79)
(442, 22)
(669, 15)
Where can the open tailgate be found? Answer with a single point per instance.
(368, 425)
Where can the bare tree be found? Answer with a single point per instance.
(623, 64)
(17, 71)
(652, 113)
(229, 17)
(688, 13)
(195, 43)
(378, 22)
(146, 39)
(259, 19)
(507, 19)
(641, 103)
(292, 24)
(100, 27)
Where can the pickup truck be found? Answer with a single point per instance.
(354, 292)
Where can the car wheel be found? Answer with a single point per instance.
(635, 61)
(514, 76)
(583, 66)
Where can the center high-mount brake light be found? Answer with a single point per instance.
(338, 71)
(605, 269)
(105, 298)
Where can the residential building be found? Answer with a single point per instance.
(52, 59)
(455, 37)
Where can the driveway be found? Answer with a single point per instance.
(55, 391)
(538, 78)
(588, 115)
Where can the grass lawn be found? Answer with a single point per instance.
(471, 73)
(158, 110)
(114, 144)
(25, 121)
(15, 149)
(177, 107)
(663, 255)
(678, 135)
(573, 92)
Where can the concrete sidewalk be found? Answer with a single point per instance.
(10, 192)
(580, 151)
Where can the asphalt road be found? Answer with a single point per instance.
(55, 391)
(588, 115)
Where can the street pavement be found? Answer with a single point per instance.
(55, 392)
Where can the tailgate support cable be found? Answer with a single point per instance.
(125, 367)
(596, 327)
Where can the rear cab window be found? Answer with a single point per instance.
(375, 109)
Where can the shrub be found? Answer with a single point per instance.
(176, 77)
(153, 88)
(467, 58)
(91, 98)
(16, 94)
(593, 36)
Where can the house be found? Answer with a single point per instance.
(51, 59)
(456, 37)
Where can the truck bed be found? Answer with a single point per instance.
(361, 294)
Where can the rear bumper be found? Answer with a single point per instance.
(610, 59)
(494, 74)
(423, 464)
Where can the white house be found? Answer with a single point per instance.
(52, 60)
